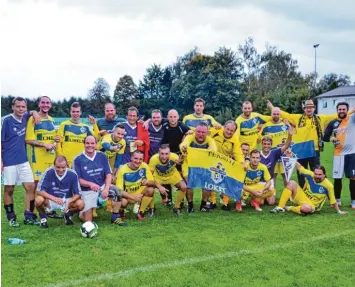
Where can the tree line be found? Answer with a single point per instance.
(224, 80)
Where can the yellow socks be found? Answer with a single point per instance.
(213, 197)
(179, 198)
(109, 205)
(285, 196)
(144, 203)
(225, 199)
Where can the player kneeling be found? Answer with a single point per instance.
(257, 182)
(163, 167)
(317, 189)
(59, 189)
(137, 183)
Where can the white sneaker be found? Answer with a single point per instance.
(243, 203)
(352, 205)
(277, 210)
(339, 203)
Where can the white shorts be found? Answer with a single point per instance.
(90, 199)
(54, 206)
(18, 174)
(338, 166)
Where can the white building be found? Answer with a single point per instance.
(327, 102)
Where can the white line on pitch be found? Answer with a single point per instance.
(176, 263)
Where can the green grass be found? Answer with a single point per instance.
(216, 249)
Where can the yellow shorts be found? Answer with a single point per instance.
(138, 191)
(279, 168)
(173, 179)
(38, 168)
(256, 187)
(301, 198)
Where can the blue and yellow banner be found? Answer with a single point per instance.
(212, 170)
(302, 146)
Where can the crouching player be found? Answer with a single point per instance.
(137, 183)
(58, 189)
(257, 182)
(163, 167)
(317, 189)
(95, 177)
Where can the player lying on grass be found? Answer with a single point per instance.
(95, 178)
(163, 167)
(257, 182)
(58, 189)
(317, 189)
(137, 182)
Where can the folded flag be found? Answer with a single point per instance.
(212, 170)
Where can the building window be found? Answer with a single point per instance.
(324, 104)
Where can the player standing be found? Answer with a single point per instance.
(198, 140)
(276, 129)
(17, 169)
(339, 133)
(72, 134)
(248, 124)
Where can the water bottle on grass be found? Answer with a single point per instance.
(14, 241)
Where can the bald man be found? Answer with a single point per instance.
(277, 130)
(174, 132)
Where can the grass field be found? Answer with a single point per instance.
(217, 249)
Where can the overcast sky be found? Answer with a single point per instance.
(58, 48)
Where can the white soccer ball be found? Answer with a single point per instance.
(89, 229)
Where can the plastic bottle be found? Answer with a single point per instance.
(14, 241)
(136, 207)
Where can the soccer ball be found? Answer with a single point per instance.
(89, 229)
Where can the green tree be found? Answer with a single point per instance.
(125, 94)
(98, 96)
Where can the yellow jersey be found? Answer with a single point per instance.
(192, 121)
(190, 141)
(248, 129)
(130, 180)
(114, 158)
(72, 137)
(259, 174)
(308, 128)
(317, 192)
(229, 147)
(44, 132)
(163, 169)
(277, 132)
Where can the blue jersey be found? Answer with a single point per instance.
(92, 169)
(59, 186)
(104, 124)
(271, 159)
(130, 138)
(13, 147)
(156, 137)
